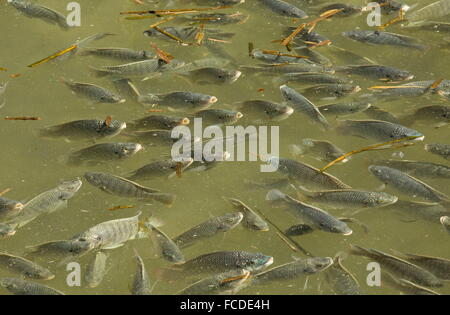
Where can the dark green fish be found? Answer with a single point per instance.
(122, 54)
(161, 122)
(167, 168)
(399, 267)
(383, 38)
(34, 10)
(347, 9)
(293, 270)
(310, 78)
(438, 115)
(22, 287)
(93, 92)
(84, 129)
(306, 174)
(315, 217)
(298, 229)
(377, 72)
(125, 188)
(64, 248)
(418, 168)
(443, 150)
(167, 248)
(406, 286)
(104, 152)
(284, 8)
(377, 130)
(407, 184)
(420, 210)
(209, 228)
(251, 219)
(302, 105)
(229, 282)
(25, 267)
(321, 149)
(440, 267)
(341, 280)
(218, 18)
(141, 283)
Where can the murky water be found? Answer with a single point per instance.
(30, 165)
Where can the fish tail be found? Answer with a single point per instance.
(167, 199)
(99, 73)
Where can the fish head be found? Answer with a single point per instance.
(229, 221)
(383, 199)
(335, 226)
(316, 264)
(113, 128)
(257, 262)
(94, 179)
(6, 230)
(287, 93)
(279, 113)
(128, 149)
(228, 76)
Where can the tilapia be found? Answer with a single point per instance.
(210, 75)
(251, 219)
(343, 109)
(321, 149)
(135, 69)
(96, 270)
(377, 72)
(34, 10)
(179, 101)
(440, 267)
(160, 122)
(383, 38)
(331, 91)
(341, 280)
(266, 110)
(125, 188)
(94, 93)
(9, 208)
(24, 287)
(141, 282)
(122, 54)
(165, 246)
(418, 168)
(284, 8)
(218, 117)
(166, 168)
(442, 150)
(434, 10)
(104, 152)
(406, 286)
(25, 267)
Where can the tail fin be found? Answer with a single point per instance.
(164, 198)
(99, 73)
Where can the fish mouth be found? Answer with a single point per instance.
(212, 100)
(237, 74)
(239, 115)
(444, 220)
(349, 232)
(123, 126)
(121, 101)
(138, 148)
(185, 121)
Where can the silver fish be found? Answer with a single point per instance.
(96, 270)
(25, 267)
(24, 287)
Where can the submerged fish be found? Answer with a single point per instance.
(445, 221)
(377, 130)
(376, 113)
(180, 101)
(141, 282)
(25, 267)
(165, 246)
(420, 210)
(332, 90)
(84, 129)
(209, 228)
(407, 184)
(153, 122)
(266, 110)
(251, 219)
(47, 202)
(310, 78)
(434, 10)
(9, 208)
(210, 75)
(377, 72)
(321, 149)
(24, 287)
(284, 68)
(440, 267)
(125, 188)
(383, 38)
(135, 69)
(122, 54)
(343, 109)
(166, 168)
(284, 8)
(315, 217)
(293, 270)
(103, 152)
(159, 137)
(435, 114)
(341, 280)
(64, 248)
(406, 286)
(96, 270)
(443, 150)
(302, 105)
(399, 267)
(418, 168)
(34, 10)
(6, 231)
(218, 18)
(93, 92)
(218, 116)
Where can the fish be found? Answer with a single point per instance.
(442, 150)
(104, 152)
(399, 267)
(25, 267)
(141, 282)
(84, 129)
(321, 149)
(110, 234)
(24, 287)
(188, 34)
(348, 198)
(218, 18)
(209, 228)
(218, 116)
(315, 217)
(376, 113)
(34, 10)
(445, 221)
(346, 9)
(377, 72)
(229, 282)
(310, 78)
(251, 219)
(6, 231)
(331, 91)
(299, 229)
(305, 37)
(218, 2)
(440, 267)
(126, 88)
(378, 130)
(438, 115)
(344, 109)
(418, 168)
(167, 248)
(159, 137)
(276, 58)
(122, 187)
(306, 174)
(266, 110)
(9, 208)
(284, 68)
(420, 210)
(165, 168)
(179, 100)
(284, 8)
(383, 38)
(302, 105)
(406, 286)
(434, 10)
(211, 75)
(142, 68)
(94, 93)
(341, 280)
(2, 92)
(121, 54)
(46, 202)
(96, 270)
(62, 248)
(160, 122)
(407, 184)
(293, 270)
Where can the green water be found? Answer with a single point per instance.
(30, 165)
